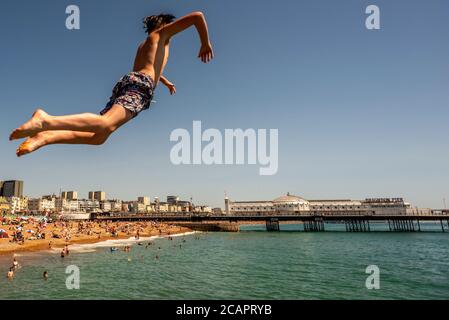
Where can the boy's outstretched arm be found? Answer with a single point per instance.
(197, 19)
(168, 84)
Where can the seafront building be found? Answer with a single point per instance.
(18, 204)
(116, 205)
(144, 200)
(69, 195)
(105, 206)
(88, 205)
(41, 205)
(65, 204)
(68, 203)
(291, 204)
(5, 207)
(97, 195)
(11, 188)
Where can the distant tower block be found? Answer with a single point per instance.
(144, 200)
(97, 195)
(69, 195)
(11, 188)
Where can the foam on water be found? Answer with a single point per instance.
(90, 247)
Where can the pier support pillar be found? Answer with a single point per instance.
(314, 226)
(272, 225)
(357, 226)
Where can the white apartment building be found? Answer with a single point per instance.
(66, 205)
(116, 205)
(89, 205)
(40, 205)
(105, 206)
(138, 207)
(144, 200)
(18, 204)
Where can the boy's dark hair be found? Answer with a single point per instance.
(152, 23)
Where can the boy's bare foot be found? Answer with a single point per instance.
(31, 144)
(30, 128)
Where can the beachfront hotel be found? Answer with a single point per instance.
(291, 204)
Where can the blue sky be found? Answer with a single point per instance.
(360, 113)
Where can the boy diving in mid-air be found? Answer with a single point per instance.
(132, 94)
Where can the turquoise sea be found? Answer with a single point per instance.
(251, 264)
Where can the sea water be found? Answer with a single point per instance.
(251, 264)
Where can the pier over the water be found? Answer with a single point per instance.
(312, 222)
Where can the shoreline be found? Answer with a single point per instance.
(114, 242)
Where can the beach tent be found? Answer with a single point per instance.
(3, 233)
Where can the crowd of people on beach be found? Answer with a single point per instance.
(21, 230)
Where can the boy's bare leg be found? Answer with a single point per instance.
(86, 122)
(60, 137)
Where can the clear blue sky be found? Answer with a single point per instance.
(360, 113)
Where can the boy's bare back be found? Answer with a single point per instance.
(152, 54)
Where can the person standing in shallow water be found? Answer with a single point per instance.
(15, 263)
(10, 273)
(132, 94)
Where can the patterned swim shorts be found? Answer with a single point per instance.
(133, 91)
